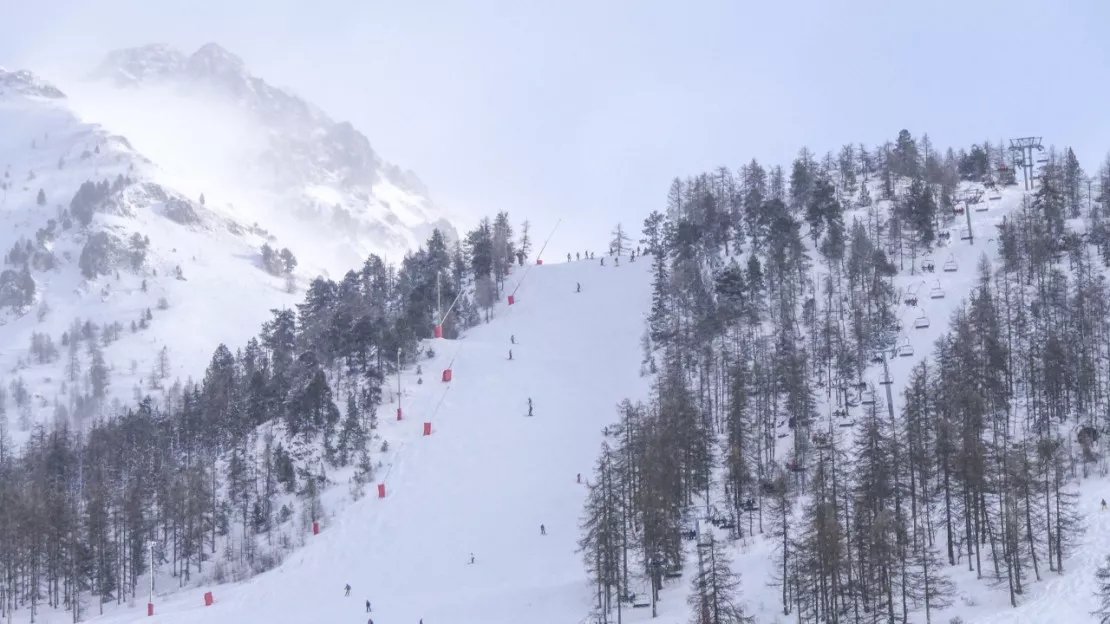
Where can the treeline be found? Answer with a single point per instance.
(220, 476)
(772, 323)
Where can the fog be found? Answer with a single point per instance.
(584, 111)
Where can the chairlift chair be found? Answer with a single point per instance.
(965, 234)
(982, 207)
(950, 266)
(937, 292)
(995, 197)
(867, 397)
(921, 322)
(905, 349)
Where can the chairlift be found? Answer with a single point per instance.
(958, 209)
(850, 423)
(937, 292)
(905, 349)
(867, 397)
(995, 197)
(982, 207)
(820, 440)
(921, 322)
(1042, 161)
(965, 234)
(928, 266)
(950, 266)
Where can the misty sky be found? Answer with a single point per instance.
(585, 109)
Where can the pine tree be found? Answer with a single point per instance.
(715, 588)
(620, 241)
(1102, 577)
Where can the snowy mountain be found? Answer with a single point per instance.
(818, 380)
(98, 232)
(92, 241)
(257, 150)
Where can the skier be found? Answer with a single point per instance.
(579, 285)
(617, 261)
(603, 261)
(580, 477)
(543, 530)
(568, 257)
(512, 338)
(577, 255)
(1104, 504)
(510, 354)
(529, 406)
(347, 590)
(368, 605)
(471, 558)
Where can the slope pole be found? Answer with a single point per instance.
(522, 277)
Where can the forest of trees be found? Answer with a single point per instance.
(772, 321)
(222, 474)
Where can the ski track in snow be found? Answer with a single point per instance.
(483, 482)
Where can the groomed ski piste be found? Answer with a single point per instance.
(483, 482)
(489, 475)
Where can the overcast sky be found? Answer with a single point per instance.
(585, 109)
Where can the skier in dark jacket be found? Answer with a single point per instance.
(578, 286)
(529, 406)
(368, 605)
(347, 590)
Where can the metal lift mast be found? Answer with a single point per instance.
(1023, 156)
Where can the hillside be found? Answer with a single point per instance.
(96, 232)
(871, 393)
(482, 483)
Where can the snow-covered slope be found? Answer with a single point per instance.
(189, 175)
(483, 482)
(222, 293)
(488, 475)
(260, 153)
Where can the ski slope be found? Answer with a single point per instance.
(483, 482)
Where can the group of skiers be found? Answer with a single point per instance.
(612, 254)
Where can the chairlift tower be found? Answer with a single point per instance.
(888, 383)
(970, 197)
(1022, 149)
